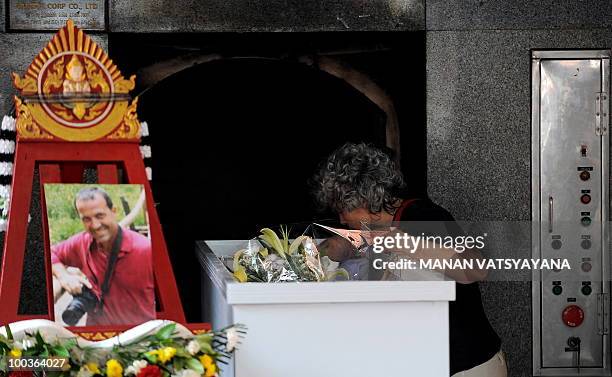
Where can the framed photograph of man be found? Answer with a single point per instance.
(101, 255)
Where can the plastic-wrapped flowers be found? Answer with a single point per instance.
(269, 258)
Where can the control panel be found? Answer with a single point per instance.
(570, 122)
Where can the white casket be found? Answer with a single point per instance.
(340, 329)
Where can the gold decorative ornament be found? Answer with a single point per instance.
(25, 126)
(27, 85)
(131, 125)
(99, 335)
(125, 86)
(72, 91)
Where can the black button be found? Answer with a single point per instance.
(585, 244)
(556, 244)
(586, 290)
(557, 290)
(585, 221)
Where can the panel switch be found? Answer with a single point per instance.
(572, 316)
(586, 290)
(585, 175)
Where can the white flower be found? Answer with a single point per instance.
(7, 146)
(8, 123)
(78, 354)
(28, 342)
(145, 151)
(144, 129)
(25, 343)
(135, 367)
(186, 373)
(84, 372)
(6, 168)
(4, 208)
(5, 191)
(193, 347)
(233, 338)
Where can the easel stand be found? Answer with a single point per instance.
(63, 138)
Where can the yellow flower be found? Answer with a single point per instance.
(206, 361)
(211, 371)
(15, 353)
(93, 368)
(113, 368)
(166, 354)
(209, 365)
(241, 274)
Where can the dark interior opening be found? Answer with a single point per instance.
(234, 141)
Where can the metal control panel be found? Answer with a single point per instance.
(570, 205)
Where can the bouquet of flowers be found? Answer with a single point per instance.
(164, 353)
(270, 258)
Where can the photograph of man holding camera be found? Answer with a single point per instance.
(106, 268)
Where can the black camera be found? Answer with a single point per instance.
(82, 303)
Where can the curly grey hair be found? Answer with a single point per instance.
(358, 175)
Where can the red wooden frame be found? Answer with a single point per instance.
(64, 162)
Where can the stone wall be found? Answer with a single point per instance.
(479, 123)
(276, 15)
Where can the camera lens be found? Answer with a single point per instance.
(80, 304)
(72, 314)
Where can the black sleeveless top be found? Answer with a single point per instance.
(472, 339)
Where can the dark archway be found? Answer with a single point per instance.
(234, 143)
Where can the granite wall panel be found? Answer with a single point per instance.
(478, 117)
(517, 14)
(2, 16)
(276, 15)
(479, 146)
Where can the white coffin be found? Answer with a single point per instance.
(339, 329)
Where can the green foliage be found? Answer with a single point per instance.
(165, 332)
(195, 365)
(64, 221)
(9, 334)
(165, 349)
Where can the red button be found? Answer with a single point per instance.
(573, 316)
(585, 199)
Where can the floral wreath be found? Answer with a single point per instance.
(164, 353)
